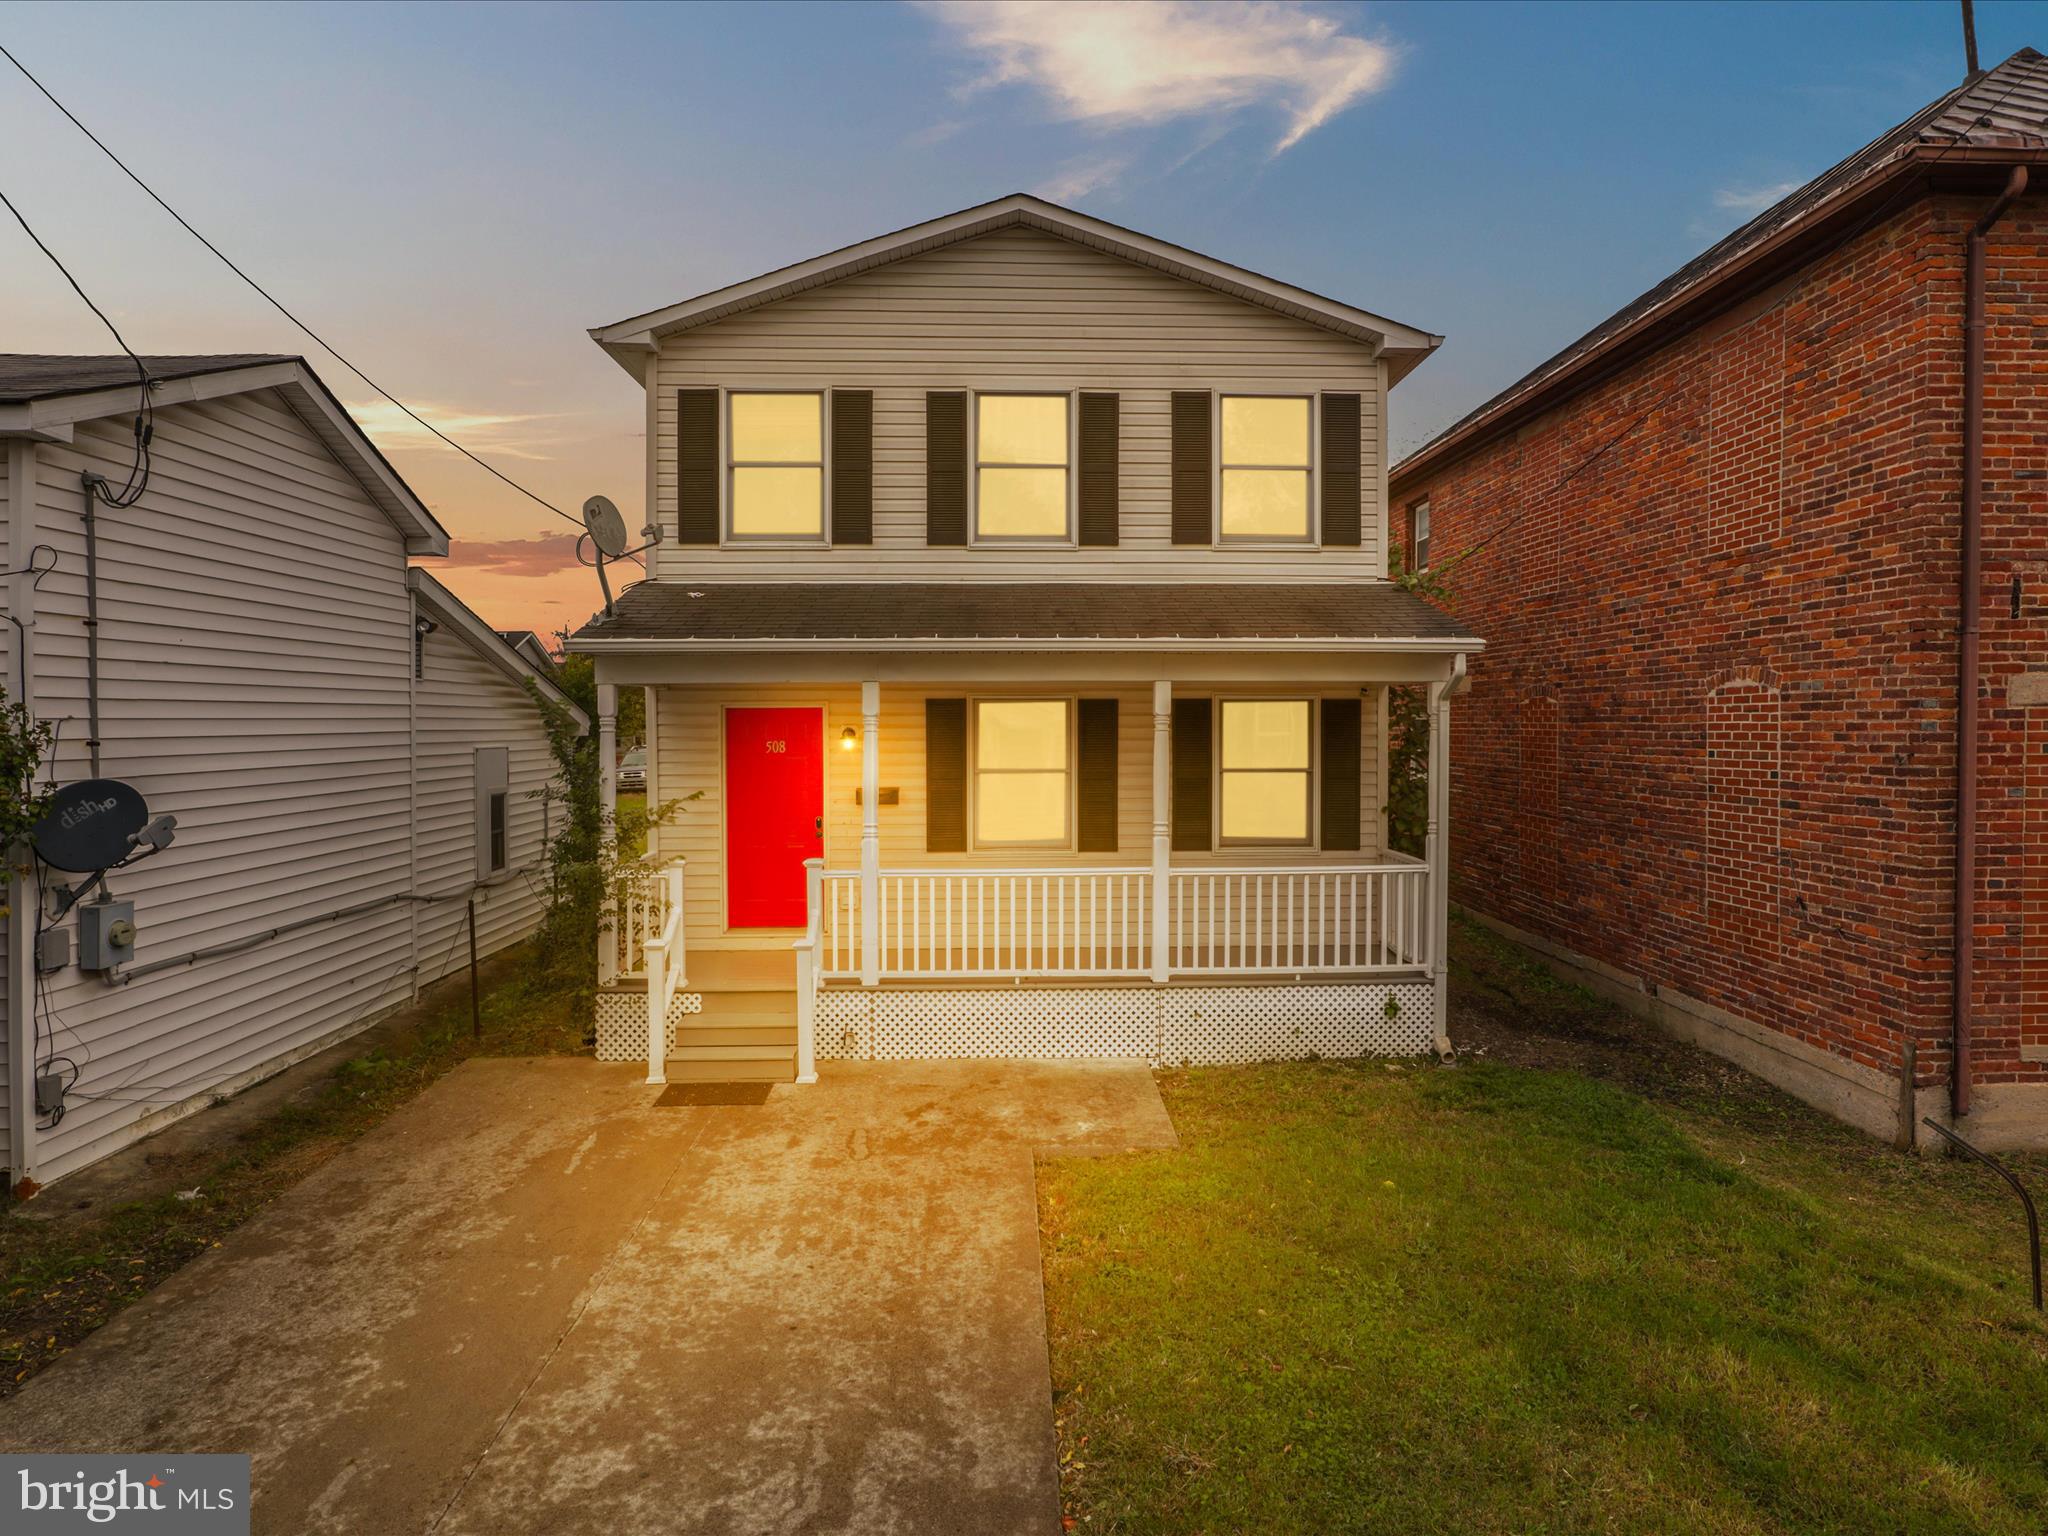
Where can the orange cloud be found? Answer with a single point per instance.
(545, 556)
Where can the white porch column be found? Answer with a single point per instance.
(653, 771)
(807, 973)
(1162, 830)
(1438, 852)
(870, 834)
(608, 809)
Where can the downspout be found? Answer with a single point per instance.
(1971, 628)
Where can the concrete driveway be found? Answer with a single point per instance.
(535, 1301)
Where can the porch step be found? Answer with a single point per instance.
(692, 1063)
(741, 970)
(747, 1007)
(772, 1032)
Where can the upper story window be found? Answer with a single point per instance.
(777, 466)
(1264, 767)
(1265, 469)
(1021, 459)
(1418, 535)
(1021, 772)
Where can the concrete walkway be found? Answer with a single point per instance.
(533, 1301)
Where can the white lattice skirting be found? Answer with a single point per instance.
(622, 1023)
(1173, 1026)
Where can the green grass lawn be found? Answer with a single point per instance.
(1494, 1297)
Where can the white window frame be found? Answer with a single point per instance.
(975, 537)
(823, 537)
(1418, 523)
(974, 771)
(1311, 538)
(1312, 773)
(490, 777)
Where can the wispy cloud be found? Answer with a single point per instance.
(1112, 64)
(508, 436)
(1752, 201)
(1077, 178)
(545, 556)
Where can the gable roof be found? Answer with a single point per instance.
(1999, 115)
(1403, 346)
(45, 396)
(454, 615)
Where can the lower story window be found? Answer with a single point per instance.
(497, 831)
(1264, 767)
(1021, 768)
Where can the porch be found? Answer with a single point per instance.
(1220, 953)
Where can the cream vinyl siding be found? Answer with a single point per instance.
(255, 682)
(1018, 310)
(465, 703)
(689, 759)
(254, 664)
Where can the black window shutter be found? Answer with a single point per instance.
(1192, 520)
(1096, 754)
(1192, 779)
(697, 466)
(945, 467)
(945, 775)
(853, 466)
(1343, 473)
(1342, 720)
(1099, 453)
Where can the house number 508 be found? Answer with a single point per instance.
(778, 746)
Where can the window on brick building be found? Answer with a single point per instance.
(1418, 535)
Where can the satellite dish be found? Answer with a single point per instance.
(607, 529)
(90, 826)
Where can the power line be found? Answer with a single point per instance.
(145, 414)
(271, 299)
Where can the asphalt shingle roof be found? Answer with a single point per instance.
(1346, 612)
(27, 376)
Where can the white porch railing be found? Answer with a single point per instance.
(1235, 922)
(636, 910)
(665, 962)
(1015, 923)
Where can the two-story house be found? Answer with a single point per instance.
(1018, 644)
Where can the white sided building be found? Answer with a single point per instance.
(352, 757)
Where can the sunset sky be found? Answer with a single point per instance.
(453, 194)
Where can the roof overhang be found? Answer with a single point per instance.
(629, 341)
(1914, 174)
(449, 611)
(56, 417)
(1434, 645)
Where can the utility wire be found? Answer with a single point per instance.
(145, 413)
(271, 299)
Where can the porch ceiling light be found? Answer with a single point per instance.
(849, 739)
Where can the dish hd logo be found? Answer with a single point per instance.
(165, 1496)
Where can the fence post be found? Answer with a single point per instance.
(807, 971)
(679, 961)
(1162, 839)
(870, 834)
(657, 1011)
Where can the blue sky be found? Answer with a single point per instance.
(456, 192)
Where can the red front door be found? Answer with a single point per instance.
(774, 802)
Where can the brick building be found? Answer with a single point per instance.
(1717, 546)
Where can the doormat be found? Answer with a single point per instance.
(679, 1095)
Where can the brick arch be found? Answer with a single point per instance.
(1743, 773)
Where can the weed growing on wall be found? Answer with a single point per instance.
(1408, 720)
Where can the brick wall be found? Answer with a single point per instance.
(1711, 739)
